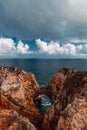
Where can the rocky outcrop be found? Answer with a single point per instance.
(17, 93)
(55, 85)
(10, 120)
(67, 91)
(69, 110)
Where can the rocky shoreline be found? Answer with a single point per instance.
(19, 92)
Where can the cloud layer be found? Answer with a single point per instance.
(9, 47)
(54, 19)
(44, 49)
(66, 50)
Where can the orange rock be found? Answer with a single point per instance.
(69, 109)
(10, 120)
(67, 91)
(17, 93)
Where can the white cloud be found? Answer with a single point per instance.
(68, 49)
(77, 40)
(9, 47)
(23, 48)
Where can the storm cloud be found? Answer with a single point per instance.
(48, 19)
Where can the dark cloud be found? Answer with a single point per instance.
(49, 19)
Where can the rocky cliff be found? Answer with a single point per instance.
(67, 91)
(17, 93)
(69, 109)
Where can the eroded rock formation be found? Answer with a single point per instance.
(55, 85)
(17, 93)
(67, 91)
(69, 110)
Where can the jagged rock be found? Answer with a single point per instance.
(67, 91)
(17, 93)
(74, 116)
(69, 110)
(55, 85)
(10, 120)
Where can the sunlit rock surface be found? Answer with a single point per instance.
(69, 110)
(10, 120)
(67, 91)
(17, 93)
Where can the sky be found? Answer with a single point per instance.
(43, 29)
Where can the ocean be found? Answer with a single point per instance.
(44, 69)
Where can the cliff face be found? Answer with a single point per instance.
(69, 110)
(67, 91)
(17, 93)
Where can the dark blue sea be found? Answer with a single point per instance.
(44, 69)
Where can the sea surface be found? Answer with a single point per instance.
(44, 69)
